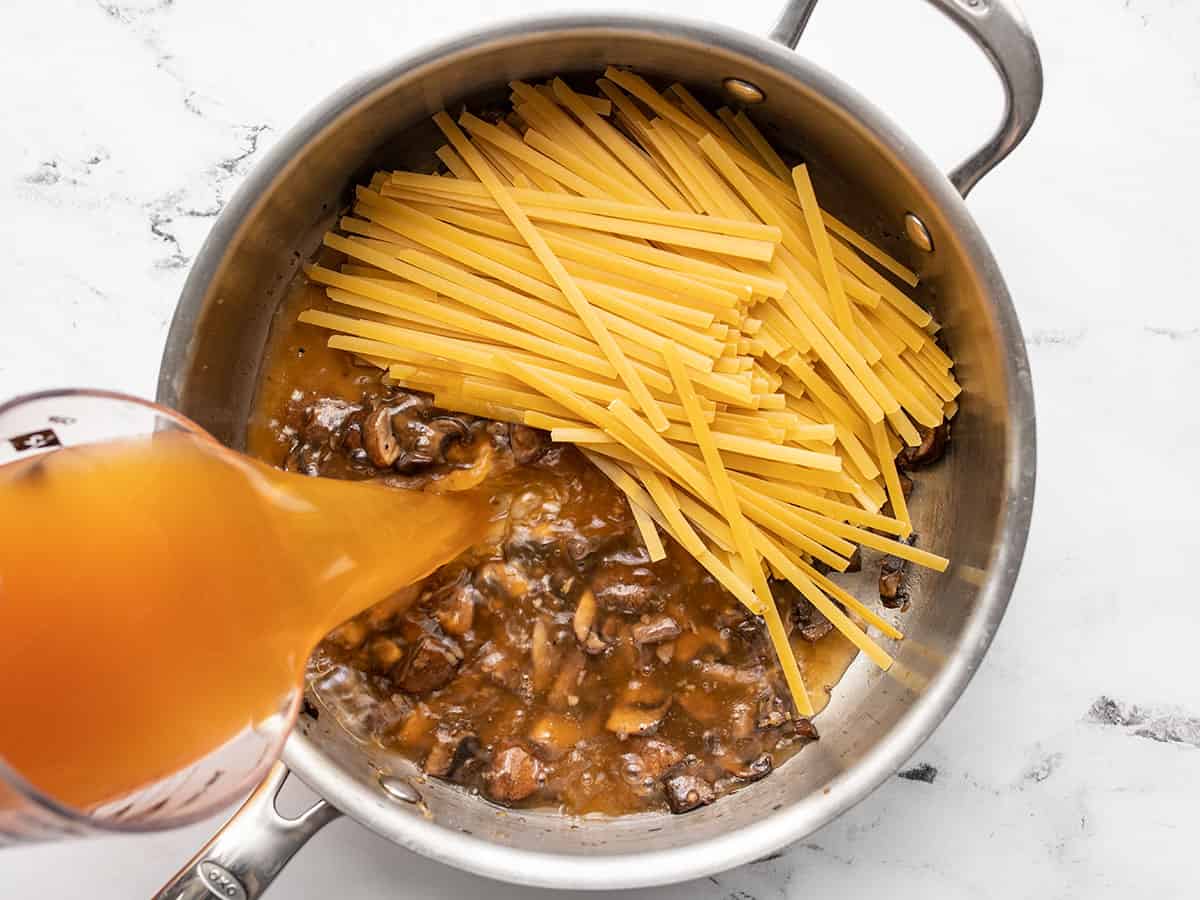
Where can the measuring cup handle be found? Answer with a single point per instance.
(243, 858)
(1000, 31)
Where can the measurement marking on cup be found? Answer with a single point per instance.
(220, 881)
(35, 440)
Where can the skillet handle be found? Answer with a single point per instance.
(243, 858)
(1000, 31)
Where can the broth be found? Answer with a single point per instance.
(159, 595)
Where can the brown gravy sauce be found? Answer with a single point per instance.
(660, 693)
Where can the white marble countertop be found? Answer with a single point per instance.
(1071, 767)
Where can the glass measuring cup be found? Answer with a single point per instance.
(44, 423)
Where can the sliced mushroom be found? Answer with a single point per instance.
(352, 436)
(889, 588)
(563, 694)
(384, 653)
(800, 615)
(595, 645)
(528, 444)
(562, 581)
(325, 418)
(806, 729)
(456, 612)
(647, 762)
(757, 768)
(643, 706)
(448, 430)
(773, 711)
(817, 629)
(688, 792)
(543, 655)
(585, 615)
(378, 438)
(531, 544)
(627, 588)
(499, 666)
(892, 570)
(713, 740)
(771, 718)
(613, 628)
(501, 580)
(413, 403)
(513, 775)
(932, 448)
(742, 720)
(655, 630)
(451, 752)
(431, 665)
(723, 673)
(657, 755)
(738, 620)
(626, 718)
(644, 692)
(425, 443)
(577, 548)
(470, 477)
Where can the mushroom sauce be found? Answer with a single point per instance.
(553, 664)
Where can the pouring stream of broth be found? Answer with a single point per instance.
(160, 595)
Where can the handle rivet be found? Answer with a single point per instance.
(399, 789)
(743, 91)
(917, 232)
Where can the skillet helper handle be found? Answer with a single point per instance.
(1000, 31)
(243, 858)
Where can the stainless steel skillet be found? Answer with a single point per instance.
(975, 507)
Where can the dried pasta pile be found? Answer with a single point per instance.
(651, 282)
